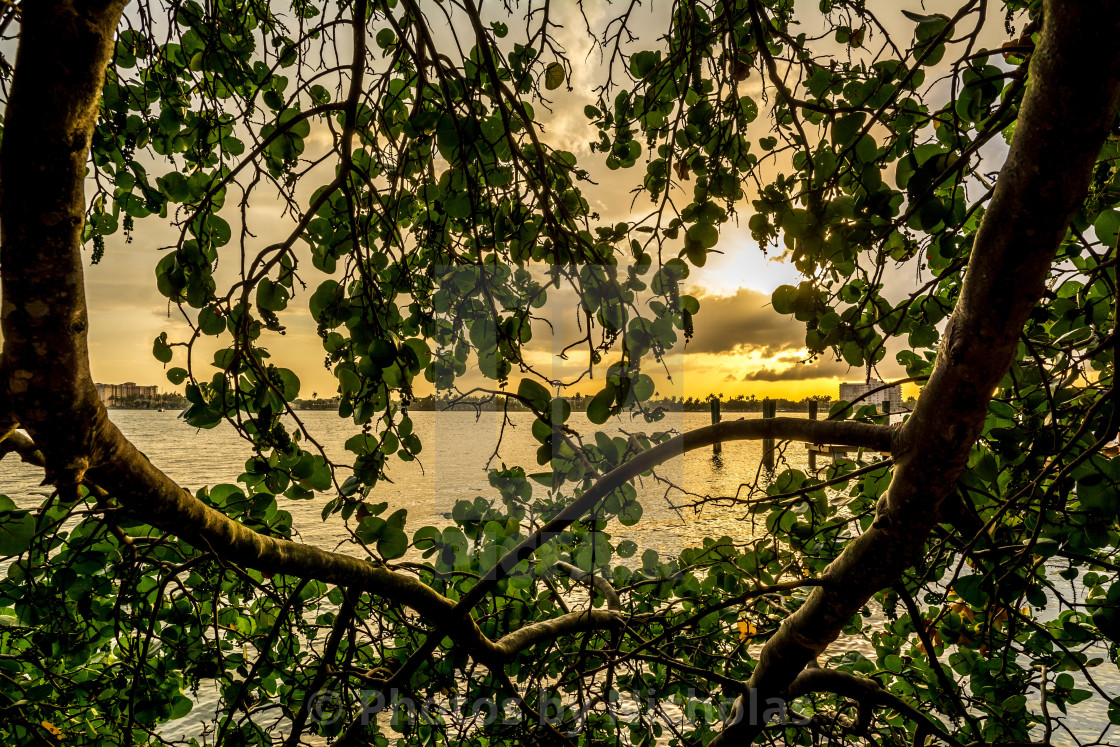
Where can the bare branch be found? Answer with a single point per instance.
(600, 584)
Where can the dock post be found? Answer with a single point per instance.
(812, 454)
(768, 409)
(717, 447)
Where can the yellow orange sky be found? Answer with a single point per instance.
(741, 345)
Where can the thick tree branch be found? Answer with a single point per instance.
(1069, 107)
(154, 498)
(513, 643)
(17, 443)
(866, 692)
(46, 367)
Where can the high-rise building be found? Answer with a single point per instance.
(891, 395)
(115, 394)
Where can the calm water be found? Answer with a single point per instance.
(452, 467)
(457, 447)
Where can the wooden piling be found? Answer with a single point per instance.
(717, 447)
(769, 407)
(812, 416)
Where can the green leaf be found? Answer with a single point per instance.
(538, 396)
(271, 296)
(542, 431)
(784, 299)
(970, 589)
(17, 529)
(643, 388)
(426, 537)
(1107, 227)
(704, 233)
(326, 294)
(846, 127)
(600, 406)
(289, 384)
(554, 76)
(393, 542)
(642, 63)
(385, 38)
(180, 707)
(542, 478)
(382, 352)
(161, 350)
(630, 514)
(852, 353)
(210, 323)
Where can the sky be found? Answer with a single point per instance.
(741, 346)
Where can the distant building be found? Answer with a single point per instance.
(112, 394)
(891, 396)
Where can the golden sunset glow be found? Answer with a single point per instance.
(742, 346)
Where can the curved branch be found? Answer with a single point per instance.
(866, 692)
(513, 643)
(600, 584)
(46, 375)
(879, 437)
(152, 497)
(865, 435)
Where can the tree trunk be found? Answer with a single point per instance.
(55, 97)
(1067, 112)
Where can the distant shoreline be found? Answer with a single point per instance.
(577, 404)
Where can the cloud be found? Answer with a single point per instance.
(744, 328)
(744, 323)
(793, 368)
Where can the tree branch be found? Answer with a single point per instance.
(43, 163)
(582, 621)
(879, 437)
(865, 692)
(600, 584)
(17, 443)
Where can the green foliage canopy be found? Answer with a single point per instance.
(409, 147)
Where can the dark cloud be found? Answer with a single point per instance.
(793, 368)
(744, 322)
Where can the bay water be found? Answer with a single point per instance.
(458, 448)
